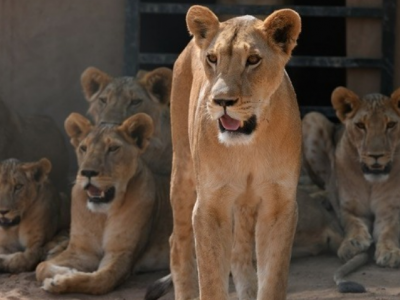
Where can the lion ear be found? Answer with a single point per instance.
(395, 98)
(158, 83)
(140, 74)
(202, 23)
(93, 81)
(38, 171)
(77, 127)
(138, 128)
(345, 103)
(282, 28)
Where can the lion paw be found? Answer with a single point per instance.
(350, 247)
(55, 285)
(388, 257)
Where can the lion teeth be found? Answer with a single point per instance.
(102, 194)
(241, 123)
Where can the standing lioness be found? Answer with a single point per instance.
(236, 135)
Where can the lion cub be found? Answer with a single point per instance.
(31, 214)
(359, 162)
(112, 100)
(113, 202)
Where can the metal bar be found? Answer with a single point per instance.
(132, 28)
(328, 111)
(388, 46)
(296, 61)
(310, 11)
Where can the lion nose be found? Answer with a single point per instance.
(4, 212)
(225, 103)
(376, 156)
(89, 173)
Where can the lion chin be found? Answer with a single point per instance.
(235, 132)
(376, 173)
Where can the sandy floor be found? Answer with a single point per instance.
(310, 279)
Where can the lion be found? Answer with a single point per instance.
(32, 214)
(236, 135)
(359, 162)
(112, 100)
(24, 137)
(117, 210)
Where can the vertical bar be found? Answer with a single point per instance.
(388, 46)
(132, 30)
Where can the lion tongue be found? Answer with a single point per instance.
(94, 191)
(229, 123)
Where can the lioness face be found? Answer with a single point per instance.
(108, 156)
(372, 125)
(112, 100)
(244, 61)
(19, 184)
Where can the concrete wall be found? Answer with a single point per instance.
(46, 44)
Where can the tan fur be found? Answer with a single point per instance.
(23, 137)
(240, 173)
(112, 100)
(109, 239)
(27, 195)
(318, 231)
(367, 143)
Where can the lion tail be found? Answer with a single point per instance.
(159, 288)
(345, 286)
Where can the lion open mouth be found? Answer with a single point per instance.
(227, 123)
(376, 169)
(5, 222)
(96, 195)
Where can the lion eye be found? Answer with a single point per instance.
(18, 187)
(212, 58)
(360, 125)
(103, 100)
(135, 102)
(390, 125)
(253, 60)
(83, 148)
(113, 148)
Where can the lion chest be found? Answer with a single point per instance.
(10, 240)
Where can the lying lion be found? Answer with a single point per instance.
(24, 137)
(112, 100)
(359, 163)
(33, 215)
(236, 135)
(116, 210)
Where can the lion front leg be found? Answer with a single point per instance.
(357, 237)
(113, 268)
(275, 228)
(386, 235)
(69, 261)
(182, 252)
(212, 224)
(243, 271)
(21, 261)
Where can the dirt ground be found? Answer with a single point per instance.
(310, 279)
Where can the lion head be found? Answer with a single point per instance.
(243, 59)
(372, 127)
(112, 100)
(20, 183)
(108, 156)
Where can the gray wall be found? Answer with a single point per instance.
(46, 44)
